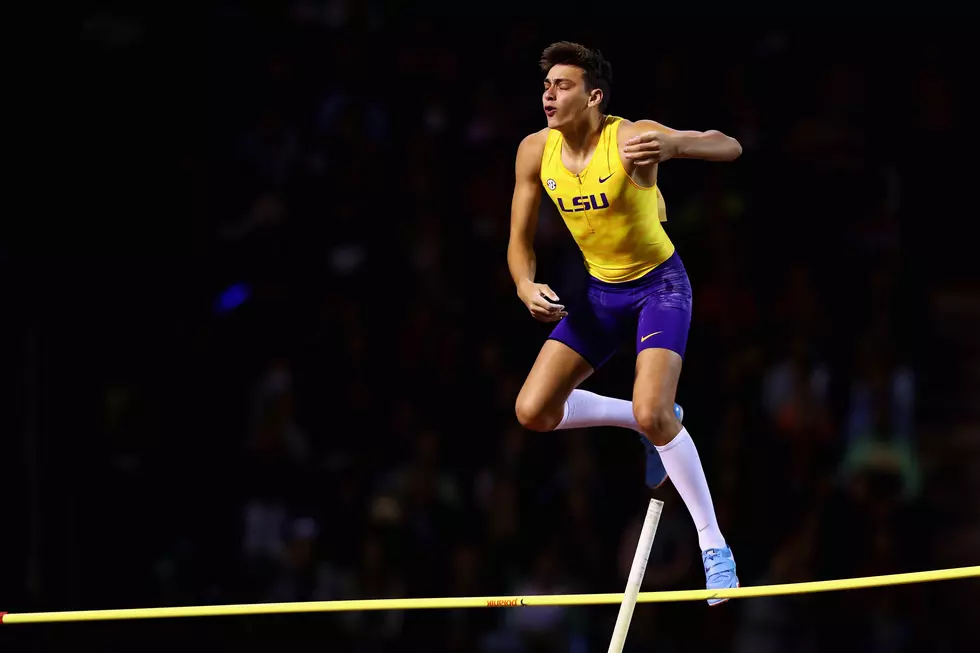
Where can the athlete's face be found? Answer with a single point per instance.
(566, 99)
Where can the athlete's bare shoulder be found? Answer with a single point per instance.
(533, 143)
(530, 150)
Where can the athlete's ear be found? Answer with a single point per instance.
(595, 97)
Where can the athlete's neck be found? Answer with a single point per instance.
(581, 138)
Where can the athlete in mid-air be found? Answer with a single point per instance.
(601, 173)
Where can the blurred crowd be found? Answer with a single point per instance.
(346, 429)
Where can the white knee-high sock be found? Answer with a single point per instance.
(584, 408)
(683, 465)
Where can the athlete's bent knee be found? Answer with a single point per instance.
(658, 423)
(534, 415)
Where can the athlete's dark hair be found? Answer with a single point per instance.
(598, 71)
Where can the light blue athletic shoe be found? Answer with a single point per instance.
(656, 474)
(719, 570)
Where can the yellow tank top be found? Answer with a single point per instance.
(615, 222)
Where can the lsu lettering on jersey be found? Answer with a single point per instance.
(615, 222)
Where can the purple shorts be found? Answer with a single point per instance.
(655, 310)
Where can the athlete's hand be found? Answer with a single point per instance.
(536, 297)
(650, 147)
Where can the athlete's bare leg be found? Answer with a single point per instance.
(654, 387)
(557, 371)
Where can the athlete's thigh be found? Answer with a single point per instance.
(663, 323)
(655, 382)
(557, 371)
(597, 324)
(578, 345)
(664, 311)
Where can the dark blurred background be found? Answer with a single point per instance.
(273, 354)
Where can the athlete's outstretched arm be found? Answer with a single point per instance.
(523, 224)
(650, 142)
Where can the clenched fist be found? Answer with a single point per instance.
(542, 301)
(649, 148)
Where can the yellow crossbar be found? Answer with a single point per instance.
(488, 601)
